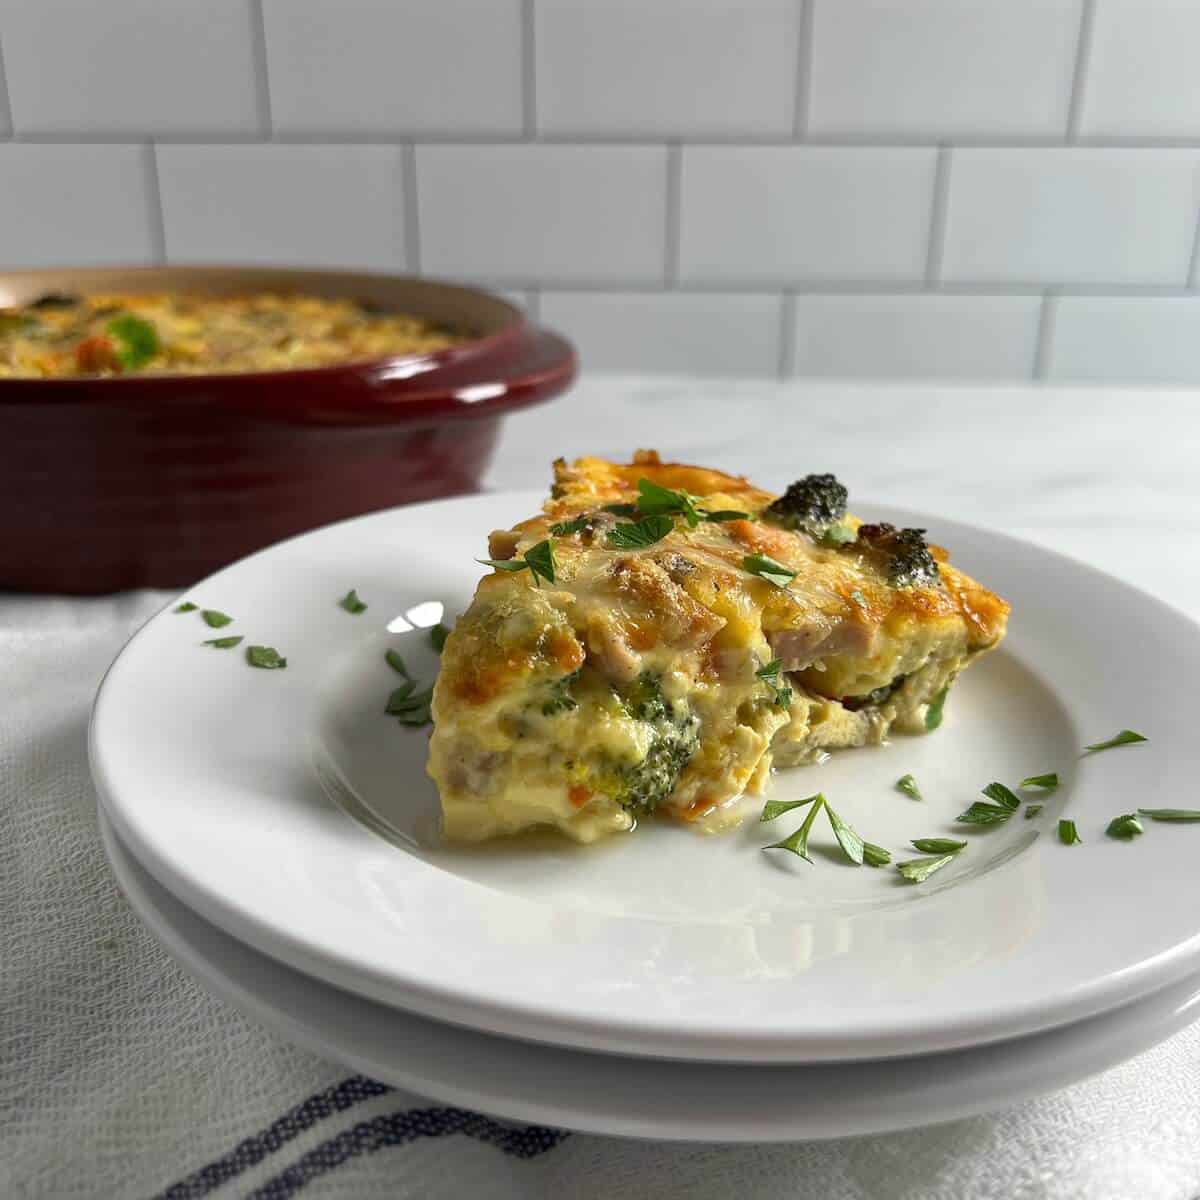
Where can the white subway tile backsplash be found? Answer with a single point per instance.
(561, 214)
(1071, 216)
(670, 67)
(335, 206)
(1142, 79)
(916, 336)
(130, 67)
(67, 205)
(783, 214)
(943, 68)
(1131, 339)
(380, 68)
(687, 333)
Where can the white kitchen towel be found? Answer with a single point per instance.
(121, 1077)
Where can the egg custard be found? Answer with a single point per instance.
(662, 634)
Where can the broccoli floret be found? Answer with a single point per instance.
(674, 741)
(812, 504)
(909, 563)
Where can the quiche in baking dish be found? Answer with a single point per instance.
(661, 635)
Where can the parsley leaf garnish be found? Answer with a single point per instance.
(186, 606)
(137, 340)
(1032, 810)
(622, 510)
(396, 663)
(1068, 834)
(1178, 815)
(725, 514)
(225, 643)
(767, 568)
(1125, 738)
(984, 814)
(538, 559)
(876, 856)
(1126, 827)
(352, 604)
(1002, 795)
(771, 675)
(852, 845)
(1046, 782)
(567, 528)
(214, 619)
(798, 842)
(266, 657)
(437, 636)
(937, 845)
(637, 534)
(654, 500)
(933, 714)
(776, 808)
(917, 870)
(908, 785)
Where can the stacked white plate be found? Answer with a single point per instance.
(277, 831)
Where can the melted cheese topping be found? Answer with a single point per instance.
(630, 683)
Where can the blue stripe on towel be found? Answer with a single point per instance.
(398, 1128)
(255, 1148)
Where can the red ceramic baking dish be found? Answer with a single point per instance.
(155, 480)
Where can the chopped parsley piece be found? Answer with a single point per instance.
(567, 528)
(1032, 810)
(726, 514)
(1126, 827)
(1125, 738)
(352, 604)
(137, 340)
(876, 856)
(908, 785)
(654, 500)
(917, 870)
(622, 510)
(266, 657)
(770, 570)
(225, 643)
(396, 663)
(437, 636)
(771, 675)
(937, 845)
(933, 714)
(186, 606)
(1178, 815)
(1046, 782)
(638, 534)
(852, 845)
(538, 559)
(1068, 834)
(797, 843)
(214, 619)
(984, 814)
(776, 808)
(398, 697)
(1002, 795)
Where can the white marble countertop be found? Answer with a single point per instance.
(1110, 475)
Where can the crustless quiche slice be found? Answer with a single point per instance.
(662, 634)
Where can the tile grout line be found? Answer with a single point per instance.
(1045, 334)
(674, 215)
(803, 97)
(262, 77)
(412, 212)
(1083, 54)
(529, 121)
(154, 205)
(785, 368)
(937, 216)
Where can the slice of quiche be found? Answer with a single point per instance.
(661, 634)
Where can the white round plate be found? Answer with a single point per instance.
(637, 1097)
(260, 797)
